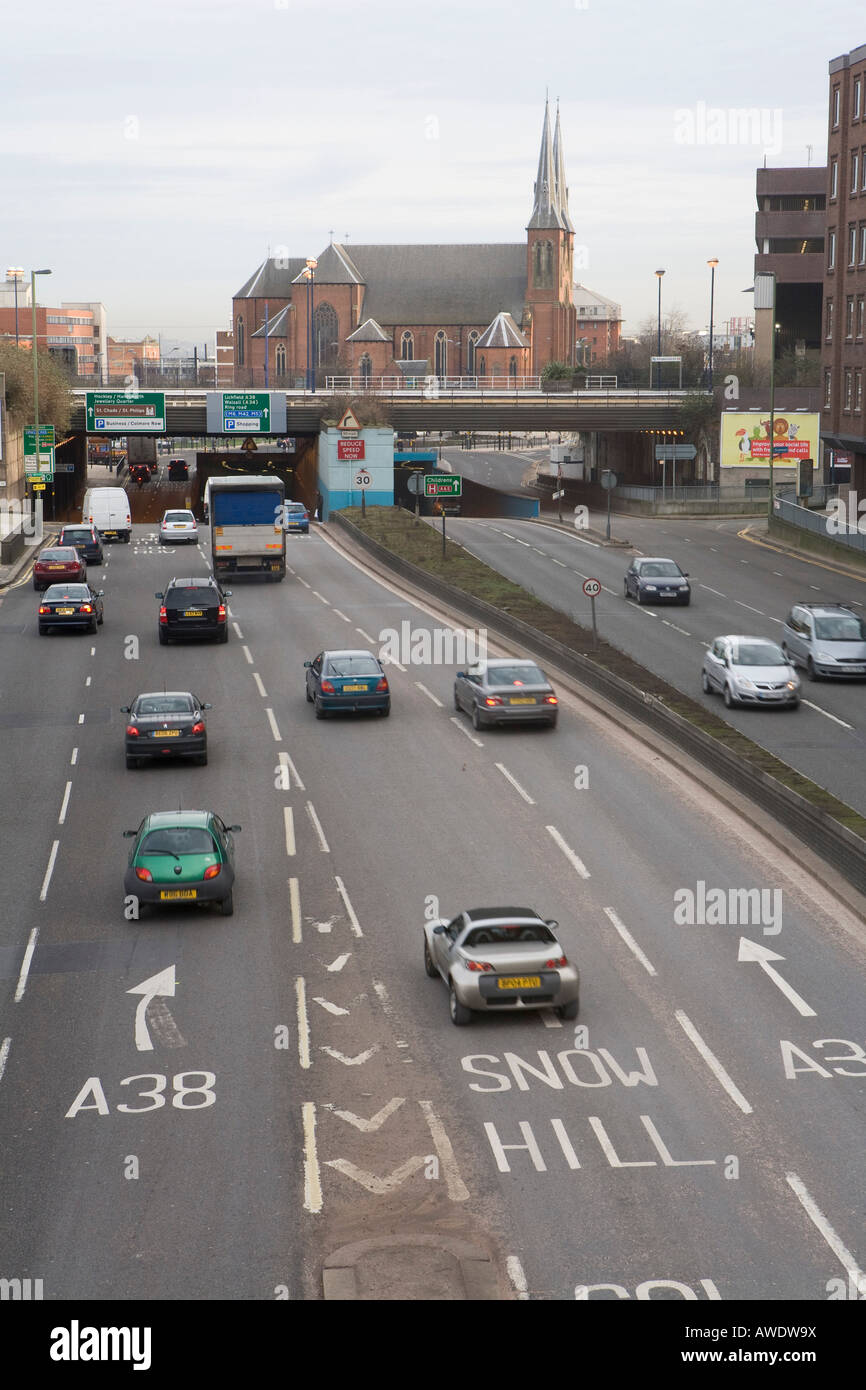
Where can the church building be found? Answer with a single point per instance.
(494, 310)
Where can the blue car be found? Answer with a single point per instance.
(347, 680)
(296, 519)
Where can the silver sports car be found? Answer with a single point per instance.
(501, 958)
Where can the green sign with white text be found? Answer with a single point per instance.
(43, 466)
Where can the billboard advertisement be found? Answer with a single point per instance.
(745, 440)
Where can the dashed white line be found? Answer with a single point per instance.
(4, 1053)
(574, 860)
(816, 587)
(88, 680)
(629, 941)
(819, 1220)
(290, 570)
(238, 631)
(43, 892)
(291, 771)
(681, 630)
(561, 564)
(74, 759)
(261, 689)
(517, 1277)
(338, 614)
(366, 635)
(429, 694)
(273, 723)
(350, 911)
(455, 1186)
(313, 1200)
(81, 718)
(392, 661)
(317, 826)
(63, 809)
(295, 909)
(93, 651)
(712, 591)
(778, 574)
(549, 1018)
(303, 1023)
(759, 611)
(458, 724)
(515, 784)
(248, 655)
(827, 715)
(322, 597)
(539, 552)
(304, 582)
(712, 1062)
(289, 820)
(25, 964)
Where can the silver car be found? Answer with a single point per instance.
(505, 690)
(827, 638)
(750, 671)
(500, 958)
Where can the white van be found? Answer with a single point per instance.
(107, 508)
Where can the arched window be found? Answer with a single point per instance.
(325, 329)
(482, 368)
(280, 359)
(440, 354)
(512, 367)
(470, 352)
(239, 341)
(365, 367)
(542, 264)
(407, 347)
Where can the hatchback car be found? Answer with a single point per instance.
(193, 608)
(296, 519)
(70, 605)
(178, 526)
(181, 857)
(139, 473)
(166, 724)
(58, 564)
(505, 690)
(178, 470)
(86, 540)
(657, 580)
(827, 638)
(347, 680)
(750, 671)
(501, 958)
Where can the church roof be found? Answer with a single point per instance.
(368, 332)
(273, 277)
(436, 284)
(502, 332)
(276, 326)
(546, 211)
(334, 267)
(559, 176)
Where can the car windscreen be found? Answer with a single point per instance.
(192, 839)
(520, 932)
(757, 654)
(840, 627)
(79, 592)
(66, 553)
(353, 666)
(192, 595)
(178, 516)
(660, 569)
(164, 704)
(515, 675)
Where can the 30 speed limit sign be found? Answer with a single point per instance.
(592, 587)
(362, 479)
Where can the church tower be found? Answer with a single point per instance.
(550, 252)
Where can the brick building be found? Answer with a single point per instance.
(448, 310)
(599, 325)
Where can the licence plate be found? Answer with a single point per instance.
(521, 700)
(356, 687)
(520, 982)
(57, 567)
(194, 613)
(64, 612)
(178, 526)
(165, 894)
(166, 733)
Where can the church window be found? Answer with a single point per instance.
(239, 338)
(407, 347)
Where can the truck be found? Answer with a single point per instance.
(246, 525)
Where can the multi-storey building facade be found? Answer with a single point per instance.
(789, 237)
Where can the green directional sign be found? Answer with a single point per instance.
(43, 466)
(125, 412)
(246, 412)
(443, 485)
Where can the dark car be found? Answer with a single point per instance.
(139, 473)
(70, 605)
(178, 470)
(181, 856)
(86, 540)
(193, 608)
(58, 565)
(505, 690)
(166, 724)
(654, 579)
(349, 680)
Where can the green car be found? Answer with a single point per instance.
(181, 856)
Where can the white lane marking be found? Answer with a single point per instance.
(350, 911)
(561, 564)
(81, 718)
(382, 995)
(392, 661)
(291, 771)
(759, 611)
(290, 570)
(335, 1009)
(549, 1019)
(295, 909)
(681, 630)
(273, 723)
(755, 951)
(317, 826)
(509, 535)
(248, 655)
(775, 620)
(356, 1061)
(717, 592)
(458, 723)
(303, 1023)
(520, 542)
(816, 587)
(289, 821)
(313, 1200)
(827, 714)
(337, 965)
(322, 597)
(515, 784)
(229, 611)
(647, 613)
(744, 562)
(606, 590)
(819, 1220)
(63, 809)
(778, 574)
(455, 1186)
(338, 614)
(261, 689)
(25, 965)
(629, 940)
(4, 1053)
(574, 860)
(517, 1277)
(714, 547)
(304, 582)
(365, 635)
(89, 679)
(74, 759)
(93, 649)
(539, 552)
(238, 632)
(712, 1062)
(429, 694)
(43, 893)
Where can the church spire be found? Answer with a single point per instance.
(546, 212)
(559, 176)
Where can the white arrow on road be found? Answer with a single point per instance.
(753, 950)
(163, 983)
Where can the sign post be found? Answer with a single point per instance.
(608, 482)
(415, 485)
(592, 587)
(39, 463)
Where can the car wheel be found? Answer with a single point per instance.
(794, 704)
(460, 1015)
(729, 698)
(101, 619)
(320, 712)
(201, 758)
(93, 625)
(429, 967)
(132, 762)
(705, 684)
(42, 630)
(385, 712)
(308, 695)
(810, 670)
(625, 588)
(457, 705)
(477, 721)
(227, 906)
(569, 1010)
(685, 602)
(163, 637)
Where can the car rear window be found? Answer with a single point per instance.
(58, 553)
(192, 839)
(515, 675)
(79, 592)
(178, 516)
(75, 533)
(194, 595)
(509, 935)
(353, 666)
(164, 704)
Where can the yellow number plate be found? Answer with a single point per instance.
(166, 733)
(520, 982)
(177, 893)
(64, 612)
(56, 567)
(522, 700)
(194, 613)
(354, 687)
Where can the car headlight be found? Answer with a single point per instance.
(793, 685)
(744, 682)
(825, 656)
(651, 587)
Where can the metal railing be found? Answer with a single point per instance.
(673, 492)
(818, 524)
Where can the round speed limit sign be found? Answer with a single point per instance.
(362, 479)
(592, 587)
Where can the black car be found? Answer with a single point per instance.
(652, 579)
(86, 540)
(70, 605)
(166, 724)
(139, 473)
(193, 608)
(178, 470)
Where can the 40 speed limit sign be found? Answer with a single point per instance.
(592, 587)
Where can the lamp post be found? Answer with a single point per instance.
(712, 264)
(33, 275)
(14, 274)
(659, 274)
(310, 276)
(765, 298)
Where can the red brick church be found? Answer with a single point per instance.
(464, 310)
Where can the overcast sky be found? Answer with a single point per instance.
(151, 154)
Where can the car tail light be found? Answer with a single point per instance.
(492, 700)
(145, 875)
(221, 613)
(43, 608)
(131, 731)
(212, 870)
(556, 964)
(382, 687)
(478, 965)
(163, 615)
(551, 700)
(327, 688)
(198, 727)
(85, 608)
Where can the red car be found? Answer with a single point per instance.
(59, 564)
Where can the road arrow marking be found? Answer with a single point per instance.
(379, 1186)
(164, 984)
(351, 1061)
(326, 1004)
(376, 1121)
(753, 950)
(339, 962)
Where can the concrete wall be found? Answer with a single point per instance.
(335, 481)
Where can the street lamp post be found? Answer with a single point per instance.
(310, 276)
(659, 274)
(765, 298)
(33, 275)
(712, 264)
(14, 274)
